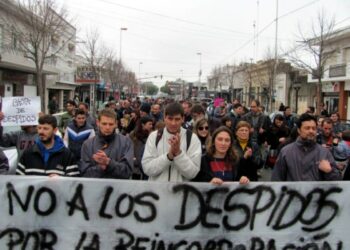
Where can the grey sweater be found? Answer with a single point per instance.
(120, 151)
(299, 162)
(21, 139)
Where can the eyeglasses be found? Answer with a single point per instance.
(201, 128)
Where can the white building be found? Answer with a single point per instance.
(336, 76)
(18, 73)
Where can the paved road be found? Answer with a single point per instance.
(265, 174)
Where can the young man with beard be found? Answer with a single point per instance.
(21, 139)
(174, 153)
(48, 156)
(77, 131)
(304, 159)
(67, 116)
(108, 154)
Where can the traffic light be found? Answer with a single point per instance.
(122, 96)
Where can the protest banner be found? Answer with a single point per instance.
(20, 110)
(72, 213)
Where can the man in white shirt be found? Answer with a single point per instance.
(167, 156)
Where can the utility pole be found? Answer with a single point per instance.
(200, 67)
(274, 80)
(139, 81)
(120, 43)
(250, 82)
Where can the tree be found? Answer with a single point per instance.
(96, 56)
(37, 26)
(321, 31)
(151, 89)
(165, 89)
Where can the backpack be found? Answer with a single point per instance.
(188, 137)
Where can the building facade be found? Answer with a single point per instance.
(335, 84)
(18, 75)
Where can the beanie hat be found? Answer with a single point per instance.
(146, 119)
(145, 107)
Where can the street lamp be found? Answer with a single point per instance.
(182, 84)
(121, 32)
(140, 63)
(200, 67)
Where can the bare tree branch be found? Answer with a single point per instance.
(34, 26)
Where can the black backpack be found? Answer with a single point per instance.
(188, 137)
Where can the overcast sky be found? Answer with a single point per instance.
(167, 35)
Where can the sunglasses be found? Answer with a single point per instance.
(202, 128)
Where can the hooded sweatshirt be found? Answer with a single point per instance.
(37, 160)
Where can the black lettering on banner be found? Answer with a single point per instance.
(94, 243)
(256, 208)
(42, 239)
(257, 244)
(211, 245)
(102, 213)
(209, 209)
(233, 207)
(35, 238)
(322, 202)
(52, 201)
(194, 245)
(277, 205)
(78, 202)
(140, 199)
(271, 245)
(224, 244)
(187, 189)
(130, 205)
(138, 243)
(240, 247)
(48, 239)
(306, 204)
(129, 241)
(161, 245)
(12, 192)
(154, 242)
(16, 237)
(179, 244)
(293, 197)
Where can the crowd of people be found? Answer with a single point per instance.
(164, 140)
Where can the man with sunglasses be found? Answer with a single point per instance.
(197, 113)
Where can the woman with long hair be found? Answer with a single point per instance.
(201, 129)
(139, 137)
(248, 152)
(219, 165)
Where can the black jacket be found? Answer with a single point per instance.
(60, 161)
(205, 173)
(248, 167)
(4, 164)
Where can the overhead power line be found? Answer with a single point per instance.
(267, 26)
(173, 18)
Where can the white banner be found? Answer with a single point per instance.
(72, 213)
(20, 110)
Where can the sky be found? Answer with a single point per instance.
(177, 38)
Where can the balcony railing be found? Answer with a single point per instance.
(337, 70)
